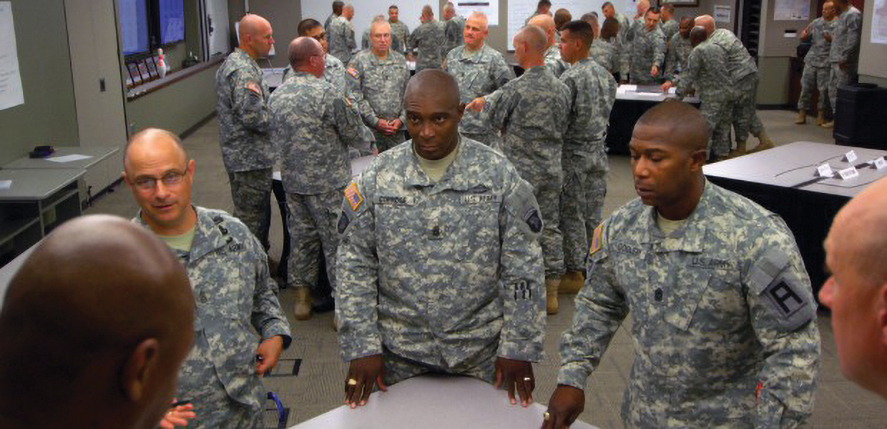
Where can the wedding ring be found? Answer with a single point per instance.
(546, 416)
(528, 379)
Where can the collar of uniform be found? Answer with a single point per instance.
(206, 236)
(534, 70)
(415, 177)
(376, 61)
(583, 61)
(472, 57)
(689, 237)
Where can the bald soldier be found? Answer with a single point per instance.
(453, 28)
(97, 322)
(312, 129)
(678, 51)
(244, 126)
(239, 328)
(553, 61)
(479, 70)
(744, 73)
(428, 41)
(333, 69)
(377, 78)
(856, 291)
(530, 113)
(592, 95)
(722, 315)
(439, 260)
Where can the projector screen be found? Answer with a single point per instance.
(172, 21)
(134, 26)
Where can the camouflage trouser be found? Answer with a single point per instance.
(384, 142)
(582, 201)
(745, 116)
(251, 193)
(814, 77)
(398, 368)
(837, 78)
(717, 115)
(312, 225)
(199, 384)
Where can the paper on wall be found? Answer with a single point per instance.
(11, 93)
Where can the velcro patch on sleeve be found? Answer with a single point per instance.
(352, 194)
(596, 240)
(531, 217)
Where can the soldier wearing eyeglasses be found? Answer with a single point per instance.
(228, 270)
(333, 69)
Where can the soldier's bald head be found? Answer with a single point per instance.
(678, 123)
(545, 22)
(101, 315)
(535, 38)
(434, 81)
(707, 22)
(862, 226)
(153, 139)
(427, 10)
(301, 49)
(253, 25)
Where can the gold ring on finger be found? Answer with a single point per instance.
(546, 416)
(352, 382)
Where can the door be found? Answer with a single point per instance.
(98, 87)
(214, 28)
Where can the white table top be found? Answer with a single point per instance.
(96, 154)
(34, 184)
(435, 402)
(647, 93)
(795, 163)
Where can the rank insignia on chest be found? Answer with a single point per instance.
(352, 194)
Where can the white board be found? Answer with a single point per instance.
(520, 10)
(365, 10)
(11, 93)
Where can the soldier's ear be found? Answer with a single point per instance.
(882, 313)
(461, 110)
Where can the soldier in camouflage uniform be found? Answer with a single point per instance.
(439, 260)
(678, 50)
(341, 35)
(816, 66)
(400, 33)
(707, 75)
(627, 27)
(427, 41)
(377, 80)
(647, 51)
(553, 61)
(366, 41)
(454, 25)
(334, 70)
(312, 128)
(722, 314)
(603, 49)
(479, 70)
(744, 73)
(239, 328)
(669, 25)
(244, 124)
(592, 94)
(529, 111)
(844, 52)
(337, 12)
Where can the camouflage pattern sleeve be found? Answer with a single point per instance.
(783, 314)
(659, 50)
(522, 276)
(355, 75)
(600, 309)
(685, 81)
(267, 316)
(672, 63)
(500, 104)
(501, 72)
(350, 127)
(357, 266)
(852, 31)
(248, 102)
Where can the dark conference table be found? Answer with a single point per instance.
(631, 102)
(784, 181)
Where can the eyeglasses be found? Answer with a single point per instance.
(171, 178)
(320, 36)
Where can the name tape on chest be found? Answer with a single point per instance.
(480, 199)
(398, 200)
(352, 195)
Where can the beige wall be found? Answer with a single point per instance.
(48, 116)
(872, 57)
(177, 107)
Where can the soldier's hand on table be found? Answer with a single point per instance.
(516, 374)
(564, 407)
(477, 104)
(654, 71)
(666, 86)
(362, 373)
(267, 354)
(177, 416)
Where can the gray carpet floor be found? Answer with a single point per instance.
(318, 387)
